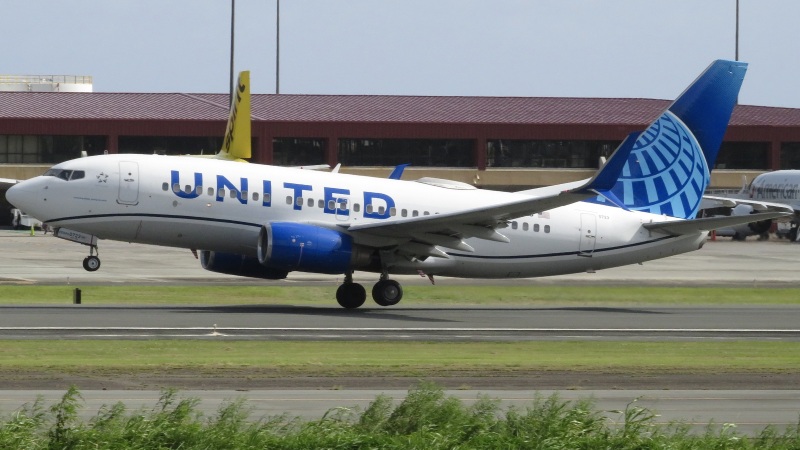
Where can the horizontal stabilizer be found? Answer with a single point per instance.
(710, 201)
(692, 226)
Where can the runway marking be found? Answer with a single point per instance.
(218, 329)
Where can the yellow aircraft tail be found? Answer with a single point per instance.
(236, 145)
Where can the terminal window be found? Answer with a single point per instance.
(417, 152)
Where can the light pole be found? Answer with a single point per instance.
(737, 30)
(278, 47)
(230, 83)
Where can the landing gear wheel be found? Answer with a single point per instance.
(387, 292)
(91, 263)
(351, 295)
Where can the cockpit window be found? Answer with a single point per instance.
(65, 174)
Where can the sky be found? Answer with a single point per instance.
(518, 48)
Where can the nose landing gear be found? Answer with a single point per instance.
(92, 262)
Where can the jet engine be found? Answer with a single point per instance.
(292, 246)
(740, 232)
(243, 266)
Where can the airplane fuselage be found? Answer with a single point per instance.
(221, 206)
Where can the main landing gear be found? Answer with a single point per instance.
(386, 292)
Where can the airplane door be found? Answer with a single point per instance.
(588, 234)
(128, 183)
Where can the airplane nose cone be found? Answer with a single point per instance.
(21, 196)
(14, 195)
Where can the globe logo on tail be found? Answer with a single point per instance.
(666, 172)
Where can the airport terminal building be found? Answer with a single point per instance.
(494, 142)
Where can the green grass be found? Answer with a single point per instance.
(330, 358)
(425, 419)
(422, 295)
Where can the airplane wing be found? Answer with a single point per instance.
(8, 182)
(418, 235)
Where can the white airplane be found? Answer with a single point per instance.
(265, 221)
(780, 186)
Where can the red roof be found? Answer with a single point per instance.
(363, 108)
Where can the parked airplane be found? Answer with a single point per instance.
(265, 221)
(780, 186)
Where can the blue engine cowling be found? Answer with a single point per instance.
(243, 266)
(295, 246)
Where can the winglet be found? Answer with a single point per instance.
(398, 171)
(236, 145)
(607, 176)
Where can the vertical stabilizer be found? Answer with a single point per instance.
(236, 144)
(670, 165)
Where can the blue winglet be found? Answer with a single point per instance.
(607, 176)
(398, 171)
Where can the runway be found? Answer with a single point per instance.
(400, 324)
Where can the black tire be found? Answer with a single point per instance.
(351, 295)
(91, 263)
(387, 292)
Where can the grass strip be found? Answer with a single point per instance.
(321, 358)
(426, 418)
(414, 295)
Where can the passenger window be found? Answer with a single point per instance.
(547, 228)
(369, 208)
(244, 194)
(233, 193)
(299, 201)
(414, 213)
(199, 190)
(288, 199)
(525, 226)
(356, 207)
(331, 204)
(381, 210)
(176, 188)
(321, 204)
(267, 197)
(165, 186)
(392, 211)
(426, 213)
(513, 225)
(536, 227)
(211, 192)
(187, 189)
(311, 203)
(255, 196)
(343, 205)
(221, 193)
(404, 212)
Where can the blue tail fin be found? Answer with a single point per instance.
(669, 167)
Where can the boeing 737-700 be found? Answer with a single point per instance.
(264, 221)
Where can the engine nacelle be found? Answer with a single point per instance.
(295, 246)
(243, 266)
